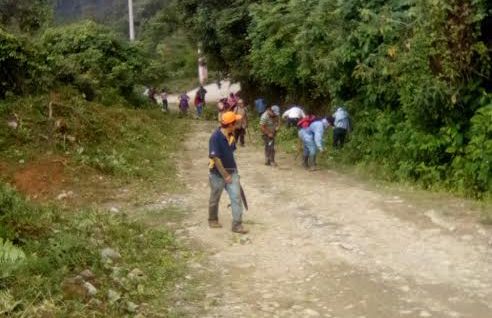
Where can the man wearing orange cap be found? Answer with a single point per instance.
(223, 173)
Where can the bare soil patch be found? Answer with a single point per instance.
(41, 178)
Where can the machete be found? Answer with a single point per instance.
(243, 198)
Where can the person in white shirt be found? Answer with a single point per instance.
(292, 115)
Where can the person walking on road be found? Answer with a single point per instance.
(184, 103)
(152, 93)
(223, 173)
(312, 140)
(164, 100)
(199, 103)
(342, 125)
(269, 125)
(242, 124)
(202, 92)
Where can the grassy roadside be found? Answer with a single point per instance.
(61, 254)
(93, 142)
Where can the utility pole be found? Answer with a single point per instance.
(130, 20)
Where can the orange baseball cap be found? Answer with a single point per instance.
(229, 118)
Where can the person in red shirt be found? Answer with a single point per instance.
(199, 102)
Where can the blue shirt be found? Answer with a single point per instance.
(317, 129)
(260, 105)
(341, 118)
(218, 147)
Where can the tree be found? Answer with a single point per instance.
(25, 15)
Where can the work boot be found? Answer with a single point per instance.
(238, 228)
(272, 158)
(312, 163)
(305, 161)
(214, 224)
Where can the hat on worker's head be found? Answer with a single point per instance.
(276, 110)
(229, 118)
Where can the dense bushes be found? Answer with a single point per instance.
(20, 68)
(416, 75)
(24, 15)
(85, 55)
(91, 57)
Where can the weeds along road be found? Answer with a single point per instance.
(324, 245)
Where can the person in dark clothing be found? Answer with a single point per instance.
(269, 124)
(202, 92)
(242, 124)
(224, 174)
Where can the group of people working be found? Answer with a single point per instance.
(311, 131)
(233, 121)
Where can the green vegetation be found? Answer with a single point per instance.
(19, 65)
(72, 118)
(53, 246)
(169, 53)
(95, 59)
(85, 55)
(91, 58)
(25, 15)
(415, 75)
(44, 247)
(126, 143)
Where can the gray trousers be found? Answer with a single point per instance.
(269, 149)
(217, 186)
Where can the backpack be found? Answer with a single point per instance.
(306, 121)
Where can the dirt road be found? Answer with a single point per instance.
(214, 93)
(324, 245)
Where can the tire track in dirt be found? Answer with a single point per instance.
(321, 245)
